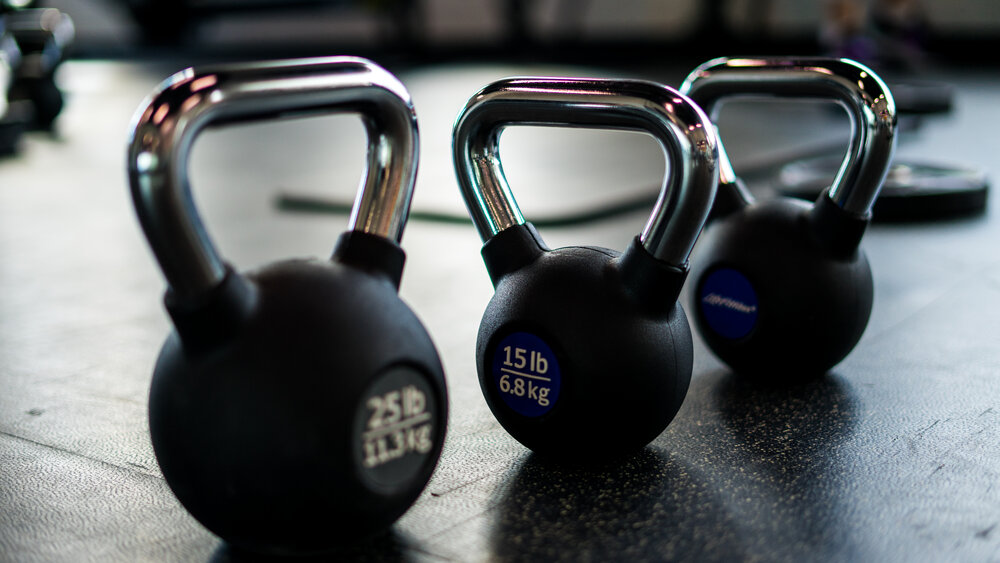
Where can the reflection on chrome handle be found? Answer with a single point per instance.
(168, 122)
(855, 87)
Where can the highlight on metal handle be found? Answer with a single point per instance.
(854, 86)
(682, 129)
(167, 123)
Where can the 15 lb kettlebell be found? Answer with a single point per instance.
(583, 353)
(781, 287)
(302, 404)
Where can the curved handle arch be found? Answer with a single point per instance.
(170, 119)
(681, 128)
(855, 87)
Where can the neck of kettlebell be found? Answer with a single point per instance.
(512, 249)
(206, 321)
(655, 284)
(836, 231)
(730, 197)
(371, 253)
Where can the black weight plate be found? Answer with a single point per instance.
(922, 97)
(913, 191)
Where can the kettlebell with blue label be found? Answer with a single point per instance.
(584, 353)
(782, 289)
(301, 405)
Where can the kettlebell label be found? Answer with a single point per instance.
(729, 303)
(526, 374)
(395, 427)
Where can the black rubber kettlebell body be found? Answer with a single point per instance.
(303, 405)
(805, 323)
(782, 289)
(583, 353)
(312, 420)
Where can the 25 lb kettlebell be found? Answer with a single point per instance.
(782, 289)
(584, 353)
(304, 403)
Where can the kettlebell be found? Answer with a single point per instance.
(303, 404)
(782, 289)
(583, 353)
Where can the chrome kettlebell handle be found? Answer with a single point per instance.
(670, 117)
(854, 86)
(167, 123)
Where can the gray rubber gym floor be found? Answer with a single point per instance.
(895, 455)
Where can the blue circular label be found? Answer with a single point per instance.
(728, 303)
(526, 374)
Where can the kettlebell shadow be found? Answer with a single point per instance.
(788, 426)
(650, 505)
(387, 545)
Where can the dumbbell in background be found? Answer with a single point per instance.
(44, 36)
(33, 43)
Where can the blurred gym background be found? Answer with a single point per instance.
(902, 32)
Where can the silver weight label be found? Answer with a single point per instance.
(395, 428)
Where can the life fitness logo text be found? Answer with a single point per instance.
(729, 303)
